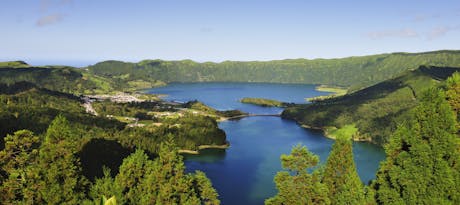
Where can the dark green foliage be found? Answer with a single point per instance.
(196, 105)
(21, 151)
(335, 183)
(453, 92)
(99, 153)
(63, 79)
(190, 131)
(133, 109)
(340, 175)
(110, 76)
(373, 110)
(59, 177)
(263, 102)
(132, 175)
(296, 185)
(159, 181)
(24, 106)
(107, 187)
(125, 76)
(197, 130)
(422, 165)
(357, 71)
(51, 173)
(206, 192)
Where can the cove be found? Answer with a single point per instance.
(243, 173)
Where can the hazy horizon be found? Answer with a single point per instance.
(83, 63)
(84, 31)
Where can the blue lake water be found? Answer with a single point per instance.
(243, 173)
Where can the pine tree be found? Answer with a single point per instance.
(15, 160)
(160, 181)
(133, 172)
(59, 179)
(296, 185)
(106, 186)
(453, 92)
(340, 176)
(206, 193)
(422, 165)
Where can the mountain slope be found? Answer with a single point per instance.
(58, 78)
(370, 113)
(356, 72)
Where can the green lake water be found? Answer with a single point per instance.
(243, 173)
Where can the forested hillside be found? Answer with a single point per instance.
(112, 76)
(422, 164)
(47, 136)
(58, 78)
(131, 150)
(372, 113)
(352, 71)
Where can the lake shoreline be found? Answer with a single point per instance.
(256, 142)
(328, 135)
(334, 91)
(202, 147)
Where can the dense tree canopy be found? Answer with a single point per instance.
(340, 174)
(352, 71)
(42, 166)
(161, 181)
(375, 110)
(21, 151)
(59, 172)
(296, 185)
(422, 165)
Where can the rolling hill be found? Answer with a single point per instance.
(354, 72)
(371, 113)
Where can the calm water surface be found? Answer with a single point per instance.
(243, 174)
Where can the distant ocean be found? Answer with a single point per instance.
(60, 62)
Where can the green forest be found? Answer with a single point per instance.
(112, 76)
(52, 151)
(264, 102)
(374, 111)
(422, 164)
(353, 72)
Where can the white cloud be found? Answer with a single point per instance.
(50, 19)
(55, 8)
(440, 31)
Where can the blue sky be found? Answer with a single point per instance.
(82, 32)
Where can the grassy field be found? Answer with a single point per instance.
(332, 89)
(348, 131)
(334, 92)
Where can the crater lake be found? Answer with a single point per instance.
(243, 173)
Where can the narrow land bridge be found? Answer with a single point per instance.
(254, 115)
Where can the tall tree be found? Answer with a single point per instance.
(453, 92)
(296, 185)
(422, 165)
(160, 181)
(340, 176)
(106, 186)
(21, 150)
(206, 193)
(133, 172)
(453, 97)
(59, 178)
